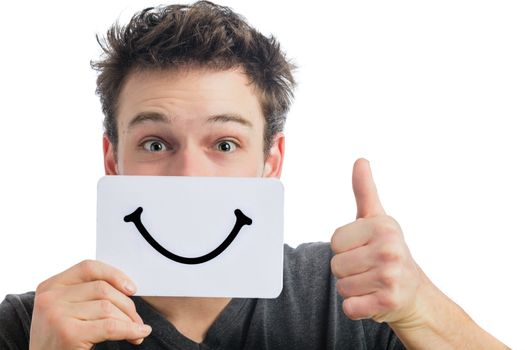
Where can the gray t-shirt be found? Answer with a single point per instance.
(306, 315)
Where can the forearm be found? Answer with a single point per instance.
(440, 323)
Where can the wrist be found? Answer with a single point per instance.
(418, 313)
(436, 322)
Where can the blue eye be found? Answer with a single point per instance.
(154, 146)
(226, 146)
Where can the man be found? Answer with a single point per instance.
(194, 91)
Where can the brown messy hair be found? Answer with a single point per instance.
(199, 35)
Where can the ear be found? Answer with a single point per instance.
(273, 163)
(110, 161)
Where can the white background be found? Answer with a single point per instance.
(432, 93)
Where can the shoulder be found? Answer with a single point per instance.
(308, 259)
(15, 320)
(310, 295)
(307, 254)
(17, 306)
(307, 275)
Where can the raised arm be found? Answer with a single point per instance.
(379, 279)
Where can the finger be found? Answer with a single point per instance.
(365, 191)
(358, 285)
(351, 236)
(136, 341)
(112, 329)
(377, 306)
(92, 270)
(361, 307)
(101, 290)
(352, 262)
(97, 310)
(101, 309)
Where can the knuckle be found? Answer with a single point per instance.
(342, 288)
(387, 302)
(47, 308)
(392, 221)
(388, 278)
(110, 327)
(50, 316)
(389, 253)
(106, 308)
(334, 242)
(44, 301)
(339, 287)
(102, 289)
(129, 307)
(87, 267)
(388, 227)
(67, 334)
(53, 317)
(339, 230)
(338, 239)
(335, 265)
(42, 286)
(64, 334)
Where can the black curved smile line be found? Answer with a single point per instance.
(239, 223)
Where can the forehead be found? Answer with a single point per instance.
(190, 95)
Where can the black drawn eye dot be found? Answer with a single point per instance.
(241, 220)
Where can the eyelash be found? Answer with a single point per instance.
(236, 145)
(164, 144)
(167, 147)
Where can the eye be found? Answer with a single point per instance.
(154, 146)
(226, 146)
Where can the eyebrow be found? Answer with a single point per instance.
(148, 117)
(161, 118)
(226, 118)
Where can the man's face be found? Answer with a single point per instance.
(191, 123)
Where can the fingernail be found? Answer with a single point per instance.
(130, 287)
(145, 329)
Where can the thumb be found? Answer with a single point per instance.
(365, 191)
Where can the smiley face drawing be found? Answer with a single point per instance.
(241, 220)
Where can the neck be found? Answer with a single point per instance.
(191, 316)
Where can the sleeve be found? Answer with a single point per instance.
(15, 321)
(310, 289)
(381, 336)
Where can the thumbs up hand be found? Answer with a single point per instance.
(377, 276)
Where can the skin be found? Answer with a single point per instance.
(164, 128)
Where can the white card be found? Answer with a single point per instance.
(193, 236)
